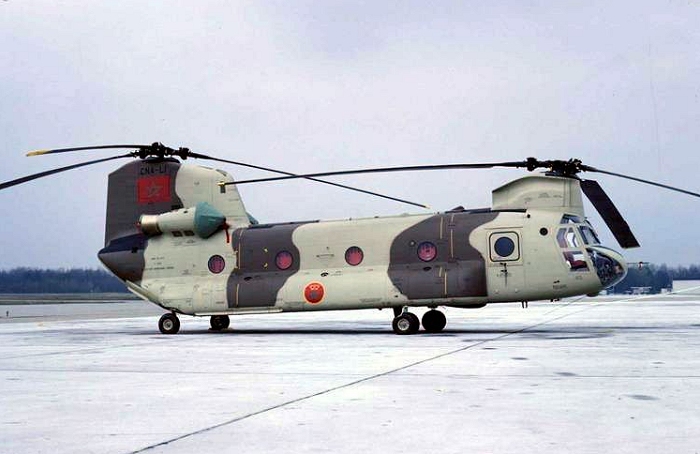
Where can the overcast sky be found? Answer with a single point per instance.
(312, 86)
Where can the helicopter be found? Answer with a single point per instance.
(179, 236)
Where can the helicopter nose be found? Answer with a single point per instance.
(610, 265)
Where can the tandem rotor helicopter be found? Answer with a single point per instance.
(179, 236)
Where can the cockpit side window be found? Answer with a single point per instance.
(573, 256)
(576, 260)
(567, 238)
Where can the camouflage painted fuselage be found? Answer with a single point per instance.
(533, 244)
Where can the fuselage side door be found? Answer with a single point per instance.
(506, 275)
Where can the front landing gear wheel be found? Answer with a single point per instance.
(434, 321)
(219, 322)
(169, 324)
(406, 323)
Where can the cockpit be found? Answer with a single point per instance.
(581, 250)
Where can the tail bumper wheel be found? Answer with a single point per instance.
(434, 321)
(406, 323)
(169, 324)
(219, 322)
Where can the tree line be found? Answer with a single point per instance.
(75, 280)
(657, 277)
(81, 280)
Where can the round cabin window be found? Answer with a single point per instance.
(427, 251)
(354, 256)
(284, 260)
(216, 264)
(504, 246)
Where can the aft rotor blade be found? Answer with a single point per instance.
(95, 147)
(292, 175)
(58, 170)
(389, 169)
(640, 180)
(610, 214)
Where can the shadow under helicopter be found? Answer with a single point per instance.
(486, 334)
(530, 333)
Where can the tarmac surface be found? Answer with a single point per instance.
(589, 376)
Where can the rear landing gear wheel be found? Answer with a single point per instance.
(219, 322)
(169, 324)
(434, 321)
(406, 323)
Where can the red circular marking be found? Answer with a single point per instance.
(314, 292)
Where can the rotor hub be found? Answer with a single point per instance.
(557, 167)
(158, 150)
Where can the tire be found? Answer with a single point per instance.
(219, 322)
(169, 324)
(414, 319)
(406, 323)
(434, 321)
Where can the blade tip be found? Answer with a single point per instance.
(37, 152)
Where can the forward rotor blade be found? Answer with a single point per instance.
(612, 217)
(640, 180)
(96, 147)
(292, 175)
(58, 170)
(390, 169)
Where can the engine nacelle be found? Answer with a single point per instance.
(203, 220)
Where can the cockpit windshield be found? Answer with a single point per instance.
(589, 236)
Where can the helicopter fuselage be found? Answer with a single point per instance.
(460, 258)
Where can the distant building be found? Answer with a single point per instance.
(640, 290)
(686, 286)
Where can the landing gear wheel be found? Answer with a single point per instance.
(169, 324)
(434, 321)
(406, 323)
(219, 322)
